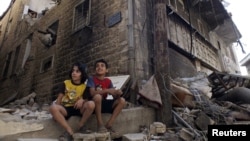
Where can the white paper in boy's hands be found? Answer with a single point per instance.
(118, 82)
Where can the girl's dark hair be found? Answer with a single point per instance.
(101, 61)
(83, 69)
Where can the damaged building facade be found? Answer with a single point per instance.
(40, 40)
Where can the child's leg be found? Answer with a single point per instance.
(58, 112)
(98, 107)
(87, 110)
(118, 106)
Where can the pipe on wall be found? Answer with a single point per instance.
(131, 47)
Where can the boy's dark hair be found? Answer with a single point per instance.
(101, 61)
(83, 69)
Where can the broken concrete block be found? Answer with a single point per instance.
(102, 136)
(171, 136)
(92, 137)
(84, 137)
(181, 97)
(35, 139)
(202, 121)
(186, 135)
(135, 137)
(31, 101)
(157, 138)
(157, 128)
(30, 117)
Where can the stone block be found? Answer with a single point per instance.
(135, 137)
(157, 128)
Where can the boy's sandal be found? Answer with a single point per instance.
(113, 133)
(65, 137)
(102, 129)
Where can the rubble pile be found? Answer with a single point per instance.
(193, 109)
(27, 109)
(22, 115)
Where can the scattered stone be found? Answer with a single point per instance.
(157, 128)
(36, 139)
(186, 135)
(135, 137)
(85, 137)
(18, 127)
(202, 121)
(5, 110)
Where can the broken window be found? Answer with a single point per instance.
(30, 16)
(29, 12)
(82, 15)
(46, 64)
(49, 36)
(32, 13)
(52, 30)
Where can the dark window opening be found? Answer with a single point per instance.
(32, 13)
(52, 30)
(47, 64)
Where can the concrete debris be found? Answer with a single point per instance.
(157, 128)
(92, 137)
(25, 101)
(18, 127)
(202, 121)
(37, 139)
(22, 116)
(181, 96)
(135, 137)
(186, 135)
(4, 110)
(193, 110)
(200, 82)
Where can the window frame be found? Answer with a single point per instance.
(76, 20)
(44, 61)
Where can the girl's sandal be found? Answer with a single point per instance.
(65, 137)
(102, 129)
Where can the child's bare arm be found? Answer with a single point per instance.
(59, 98)
(115, 92)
